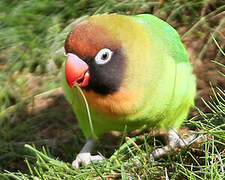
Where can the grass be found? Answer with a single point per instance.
(131, 160)
(39, 134)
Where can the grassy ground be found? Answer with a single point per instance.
(34, 112)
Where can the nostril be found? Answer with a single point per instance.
(80, 80)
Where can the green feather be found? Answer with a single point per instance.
(165, 35)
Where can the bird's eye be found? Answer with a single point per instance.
(103, 56)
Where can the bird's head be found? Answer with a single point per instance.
(95, 59)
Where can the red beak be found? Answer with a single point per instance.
(76, 71)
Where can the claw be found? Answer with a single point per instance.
(85, 159)
(174, 141)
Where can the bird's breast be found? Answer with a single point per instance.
(121, 103)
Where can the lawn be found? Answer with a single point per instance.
(39, 134)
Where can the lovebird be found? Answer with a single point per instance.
(134, 72)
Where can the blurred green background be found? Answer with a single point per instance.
(32, 107)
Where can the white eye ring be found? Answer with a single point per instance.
(103, 56)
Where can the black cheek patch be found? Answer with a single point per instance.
(106, 78)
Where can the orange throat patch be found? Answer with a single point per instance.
(121, 103)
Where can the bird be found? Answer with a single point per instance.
(134, 73)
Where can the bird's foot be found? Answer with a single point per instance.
(174, 141)
(85, 159)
